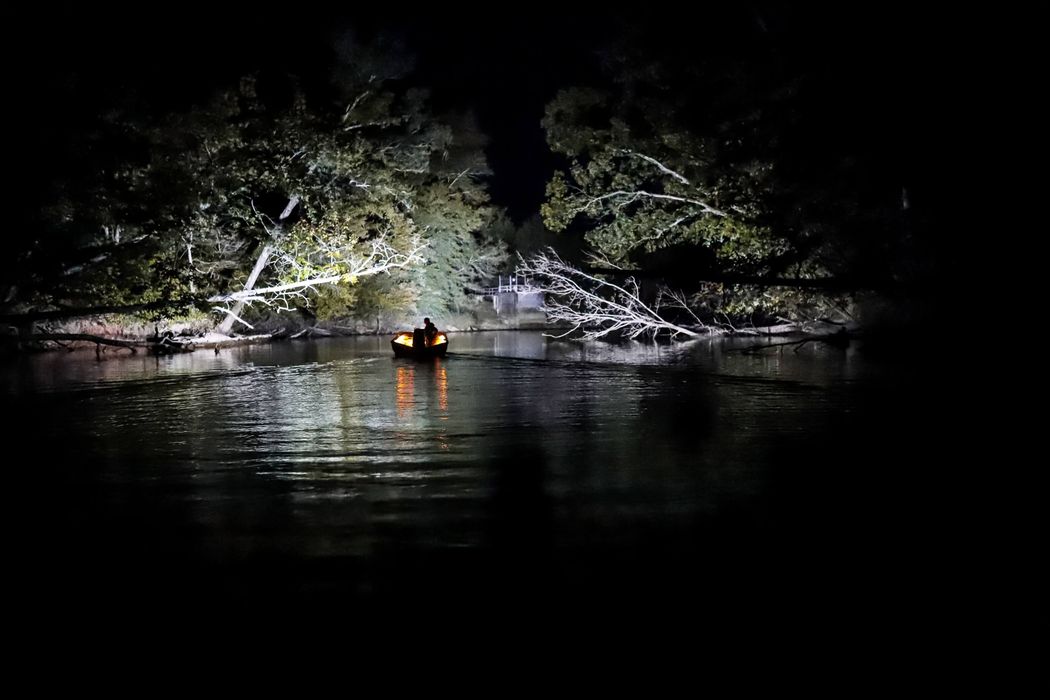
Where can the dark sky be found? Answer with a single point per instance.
(69, 65)
(893, 79)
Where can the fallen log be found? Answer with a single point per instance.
(98, 340)
(840, 339)
(312, 332)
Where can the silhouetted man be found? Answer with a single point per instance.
(430, 331)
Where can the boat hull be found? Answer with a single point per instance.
(423, 353)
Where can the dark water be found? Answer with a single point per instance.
(517, 472)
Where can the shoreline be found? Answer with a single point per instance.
(186, 342)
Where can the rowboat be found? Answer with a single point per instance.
(414, 344)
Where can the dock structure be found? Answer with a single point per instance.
(513, 293)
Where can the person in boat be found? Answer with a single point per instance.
(430, 331)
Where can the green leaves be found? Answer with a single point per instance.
(195, 195)
(681, 175)
(638, 182)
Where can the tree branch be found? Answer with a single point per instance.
(381, 257)
(592, 305)
(635, 194)
(677, 176)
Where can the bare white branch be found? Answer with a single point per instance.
(627, 196)
(592, 305)
(677, 300)
(456, 179)
(224, 310)
(334, 266)
(263, 218)
(353, 105)
(677, 176)
(601, 260)
(288, 209)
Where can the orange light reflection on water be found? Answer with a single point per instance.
(442, 385)
(406, 378)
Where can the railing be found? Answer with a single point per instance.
(511, 283)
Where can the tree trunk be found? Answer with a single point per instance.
(260, 264)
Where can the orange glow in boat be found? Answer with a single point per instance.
(406, 339)
(413, 344)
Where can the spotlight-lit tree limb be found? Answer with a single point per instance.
(594, 306)
(260, 264)
(622, 198)
(337, 265)
(197, 209)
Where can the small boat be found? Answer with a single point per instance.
(415, 345)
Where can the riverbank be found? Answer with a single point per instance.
(111, 334)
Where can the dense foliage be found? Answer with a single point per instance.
(727, 176)
(179, 205)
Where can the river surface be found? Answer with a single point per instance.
(517, 470)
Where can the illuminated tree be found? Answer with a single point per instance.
(257, 198)
(649, 184)
(709, 176)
